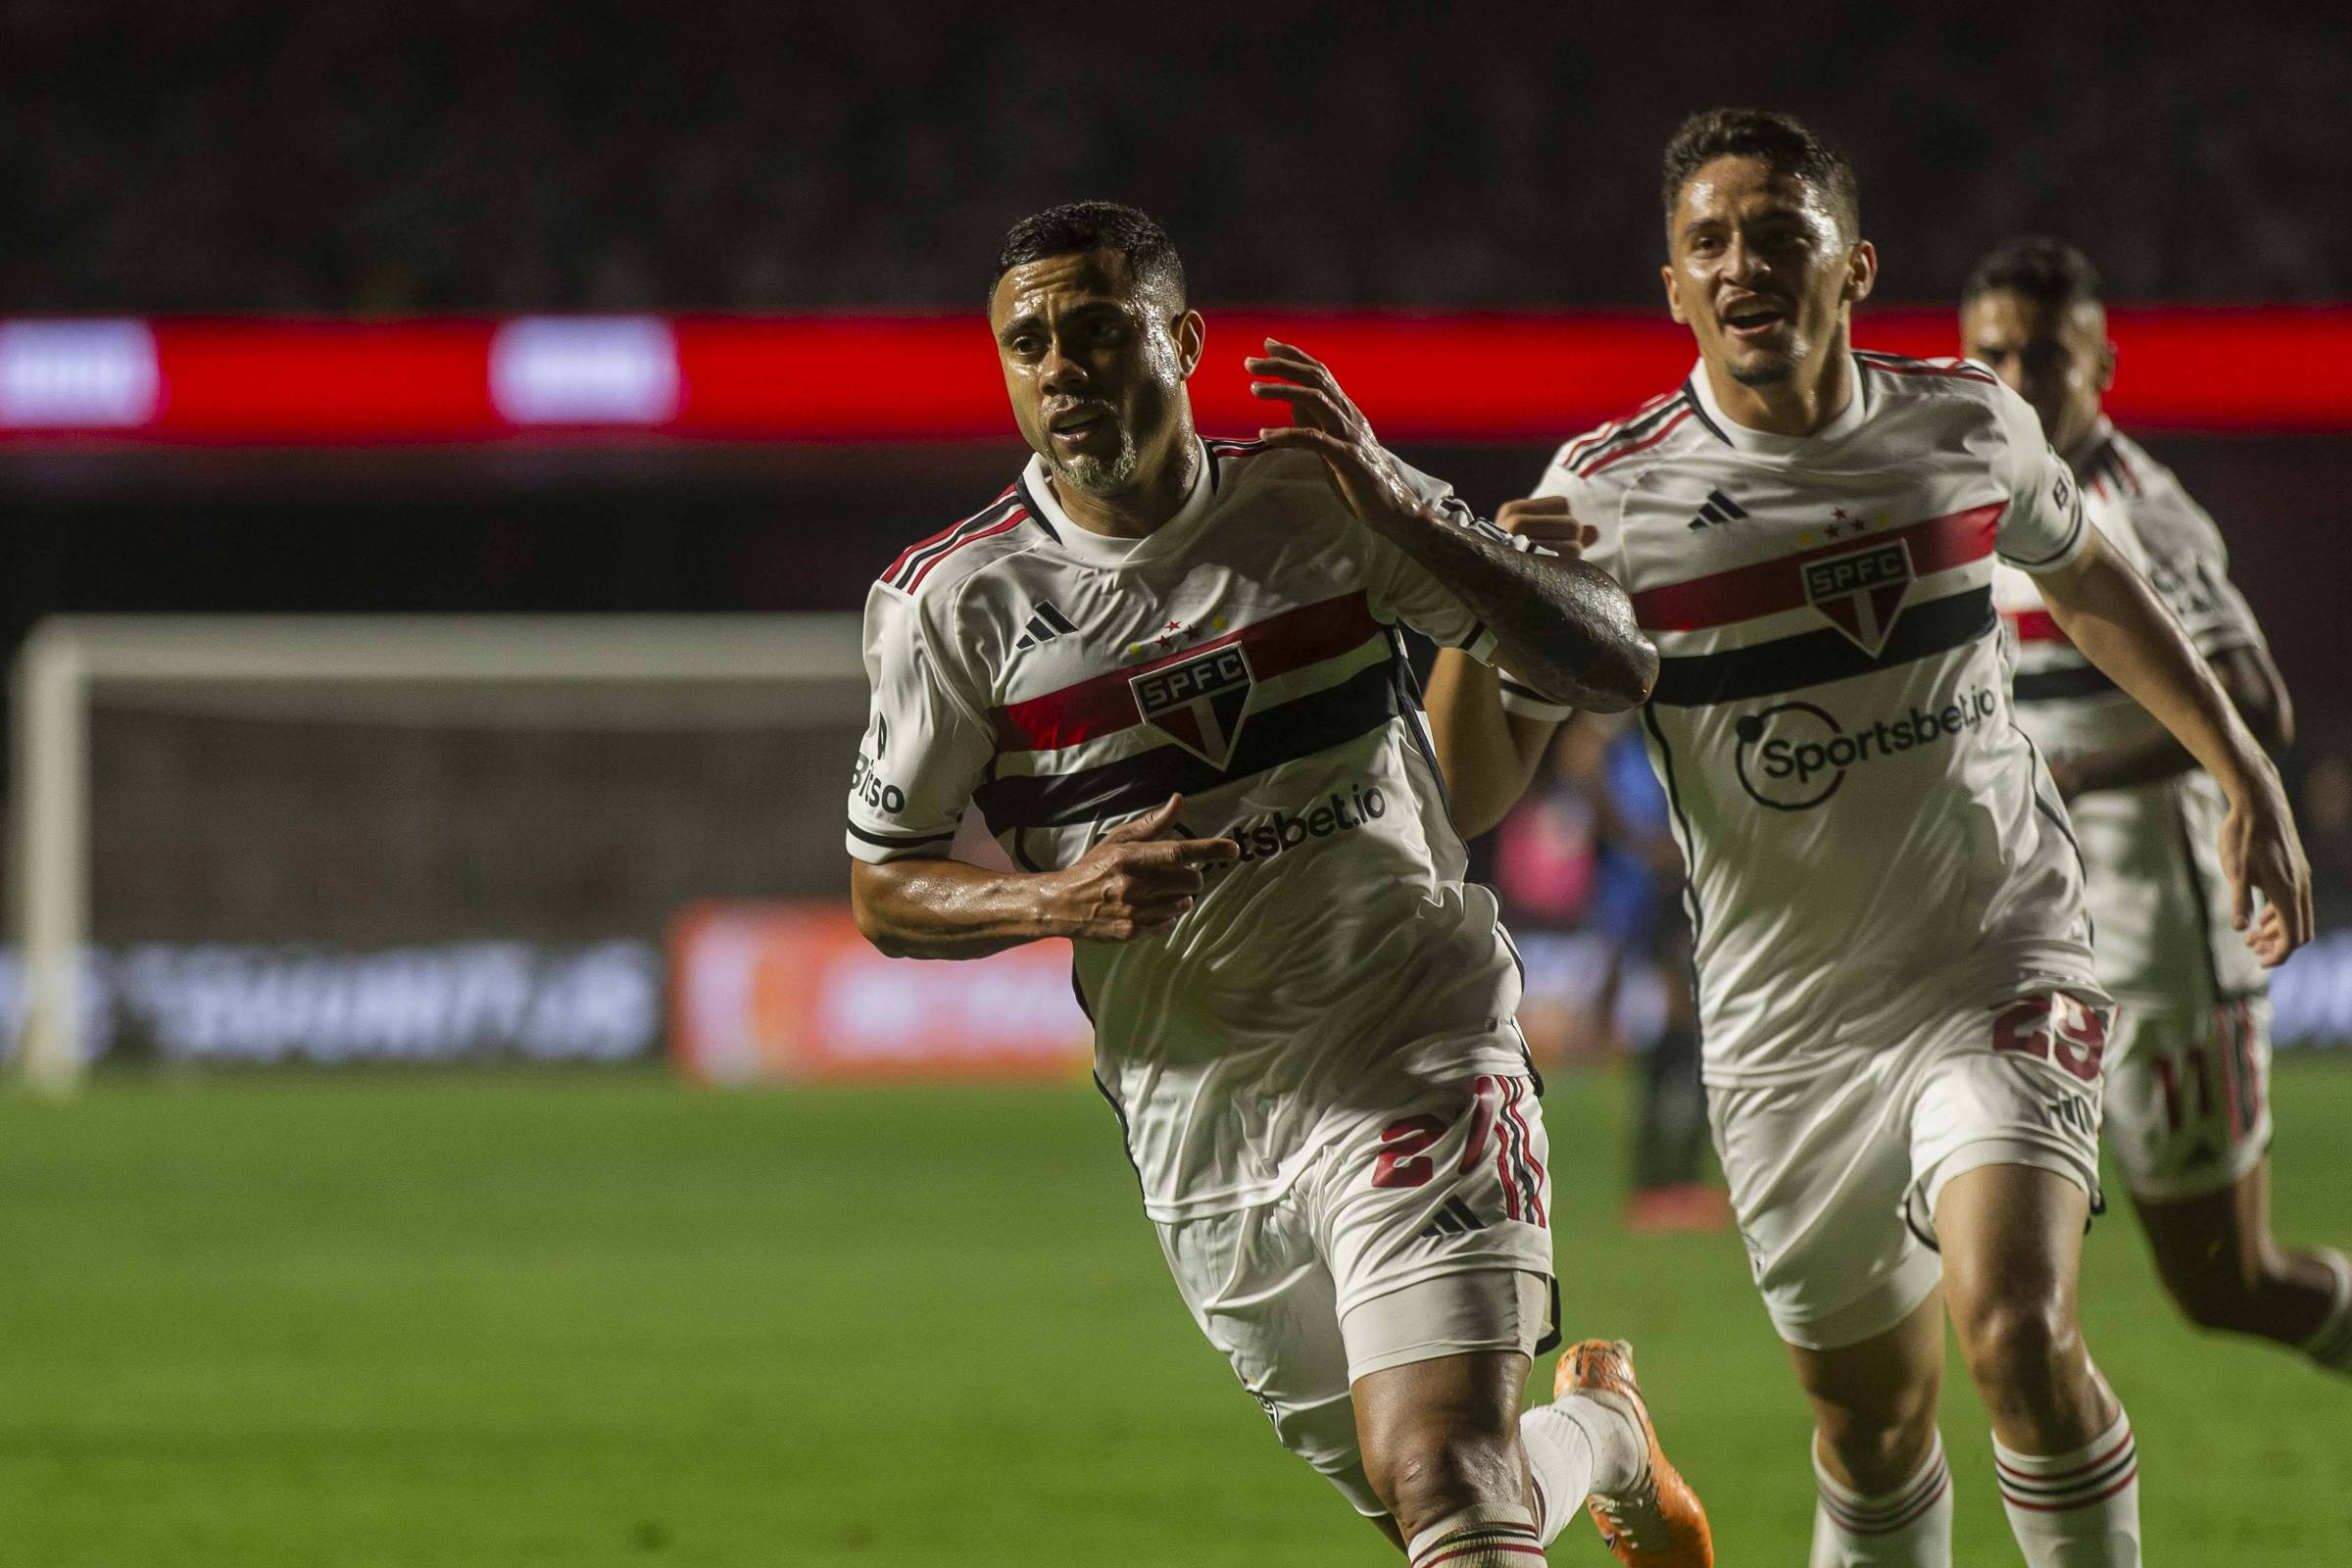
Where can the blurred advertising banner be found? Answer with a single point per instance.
(790, 993)
(218, 1003)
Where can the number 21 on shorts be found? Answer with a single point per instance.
(1404, 1143)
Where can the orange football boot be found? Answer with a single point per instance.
(1659, 1524)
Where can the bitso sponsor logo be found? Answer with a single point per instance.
(1198, 704)
(1261, 838)
(1792, 756)
(1861, 592)
(866, 784)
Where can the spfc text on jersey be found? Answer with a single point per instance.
(1198, 704)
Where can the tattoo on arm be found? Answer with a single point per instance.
(1562, 626)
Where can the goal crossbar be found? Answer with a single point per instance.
(65, 660)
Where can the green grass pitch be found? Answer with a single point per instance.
(495, 1319)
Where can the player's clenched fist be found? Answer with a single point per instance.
(1546, 522)
(1137, 881)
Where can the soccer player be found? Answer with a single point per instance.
(2189, 1116)
(1167, 674)
(1903, 1024)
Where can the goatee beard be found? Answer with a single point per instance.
(1771, 372)
(1100, 476)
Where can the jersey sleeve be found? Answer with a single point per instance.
(2043, 526)
(925, 747)
(1401, 589)
(2188, 566)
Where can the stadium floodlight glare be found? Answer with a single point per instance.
(67, 660)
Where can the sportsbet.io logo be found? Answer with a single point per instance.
(1198, 704)
(1793, 756)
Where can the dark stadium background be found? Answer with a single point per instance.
(365, 1318)
(341, 160)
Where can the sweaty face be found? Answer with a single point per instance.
(1095, 367)
(2053, 356)
(1760, 270)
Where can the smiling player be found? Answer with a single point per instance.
(1903, 1024)
(1167, 672)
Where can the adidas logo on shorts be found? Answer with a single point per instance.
(1454, 1219)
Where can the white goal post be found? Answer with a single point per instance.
(68, 659)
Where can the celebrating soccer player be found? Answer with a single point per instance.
(2189, 1116)
(1166, 673)
(1903, 1021)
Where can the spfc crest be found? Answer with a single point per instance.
(1198, 704)
(1862, 591)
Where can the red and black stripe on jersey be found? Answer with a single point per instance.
(1904, 364)
(2077, 678)
(1811, 658)
(1005, 513)
(1645, 428)
(1104, 705)
(2109, 472)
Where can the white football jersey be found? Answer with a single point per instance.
(1869, 836)
(2159, 902)
(1247, 654)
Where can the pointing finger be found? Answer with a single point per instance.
(1202, 851)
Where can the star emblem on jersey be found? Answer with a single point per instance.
(1862, 591)
(1199, 703)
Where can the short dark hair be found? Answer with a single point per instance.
(2046, 271)
(1075, 227)
(1782, 143)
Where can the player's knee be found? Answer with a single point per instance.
(2021, 1349)
(1880, 1447)
(1425, 1476)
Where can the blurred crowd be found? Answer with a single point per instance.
(339, 155)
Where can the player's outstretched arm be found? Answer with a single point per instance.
(1562, 626)
(1488, 755)
(2256, 690)
(1137, 881)
(2101, 602)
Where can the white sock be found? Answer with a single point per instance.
(2330, 1344)
(1575, 1446)
(2078, 1509)
(1910, 1527)
(1479, 1538)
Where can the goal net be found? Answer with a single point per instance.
(400, 837)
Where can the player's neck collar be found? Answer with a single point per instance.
(1765, 443)
(2095, 441)
(1037, 494)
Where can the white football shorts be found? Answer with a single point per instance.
(1419, 1232)
(2188, 1098)
(1835, 1178)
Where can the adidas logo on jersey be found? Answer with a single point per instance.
(1454, 1219)
(1719, 509)
(1045, 624)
